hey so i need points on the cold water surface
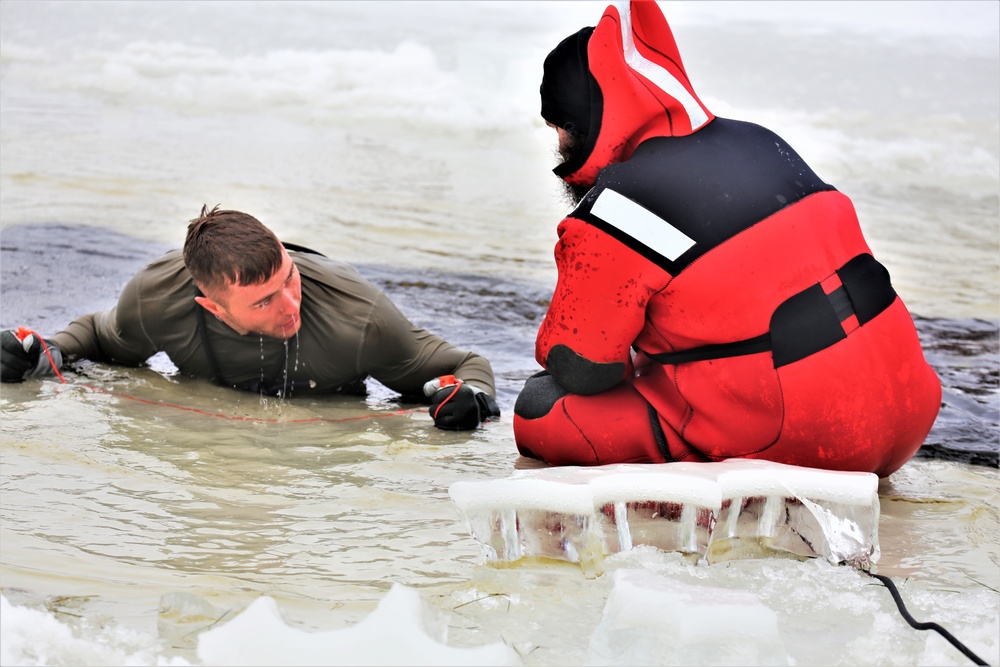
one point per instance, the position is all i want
(405, 139)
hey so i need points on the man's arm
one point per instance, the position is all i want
(415, 362)
(404, 357)
(116, 335)
(417, 356)
(597, 310)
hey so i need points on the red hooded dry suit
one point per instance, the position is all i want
(716, 299)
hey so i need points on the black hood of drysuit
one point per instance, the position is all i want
(616, 85)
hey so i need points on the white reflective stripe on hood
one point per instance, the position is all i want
(641, 224)
(666, 81)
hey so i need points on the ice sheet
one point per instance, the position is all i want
(650, 619)
(712, 512)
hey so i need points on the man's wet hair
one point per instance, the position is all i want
(223, 248)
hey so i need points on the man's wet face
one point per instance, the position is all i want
(270, 308)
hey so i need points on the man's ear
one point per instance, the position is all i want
(209, 305)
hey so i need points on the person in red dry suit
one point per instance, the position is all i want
(715, 299)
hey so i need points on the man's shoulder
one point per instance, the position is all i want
(332, 273)
(319, 266)
(159, 298)
(167, 269)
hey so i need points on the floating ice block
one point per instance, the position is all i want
(738, 508)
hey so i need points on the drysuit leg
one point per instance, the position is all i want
(560, 428)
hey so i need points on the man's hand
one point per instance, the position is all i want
(21, 356)
(457, 406)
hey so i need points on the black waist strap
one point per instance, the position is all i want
(809, 321)
(760, 343)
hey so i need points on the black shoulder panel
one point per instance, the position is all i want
(708, 186)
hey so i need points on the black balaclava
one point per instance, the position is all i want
(567, 85)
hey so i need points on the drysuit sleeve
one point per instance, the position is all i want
(597, 310)
(116, 335)
(403, 356)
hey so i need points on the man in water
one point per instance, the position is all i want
(715, 298)
(241, 308)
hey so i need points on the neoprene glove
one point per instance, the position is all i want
(458, 406)
(23, 357)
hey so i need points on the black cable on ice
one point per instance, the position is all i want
(925, 626)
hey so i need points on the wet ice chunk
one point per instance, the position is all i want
(800, 511)
(668, 508)
(710, 511)
(516, 518)
(651, 620)
(395, 633)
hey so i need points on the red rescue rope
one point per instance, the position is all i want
(444, 380)
(23, 333)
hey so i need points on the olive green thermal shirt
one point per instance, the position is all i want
(350, 330)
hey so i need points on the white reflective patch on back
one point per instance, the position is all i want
(642, 225)
(667, 82)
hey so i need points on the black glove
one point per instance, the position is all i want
(22, 357)
(458, 406)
